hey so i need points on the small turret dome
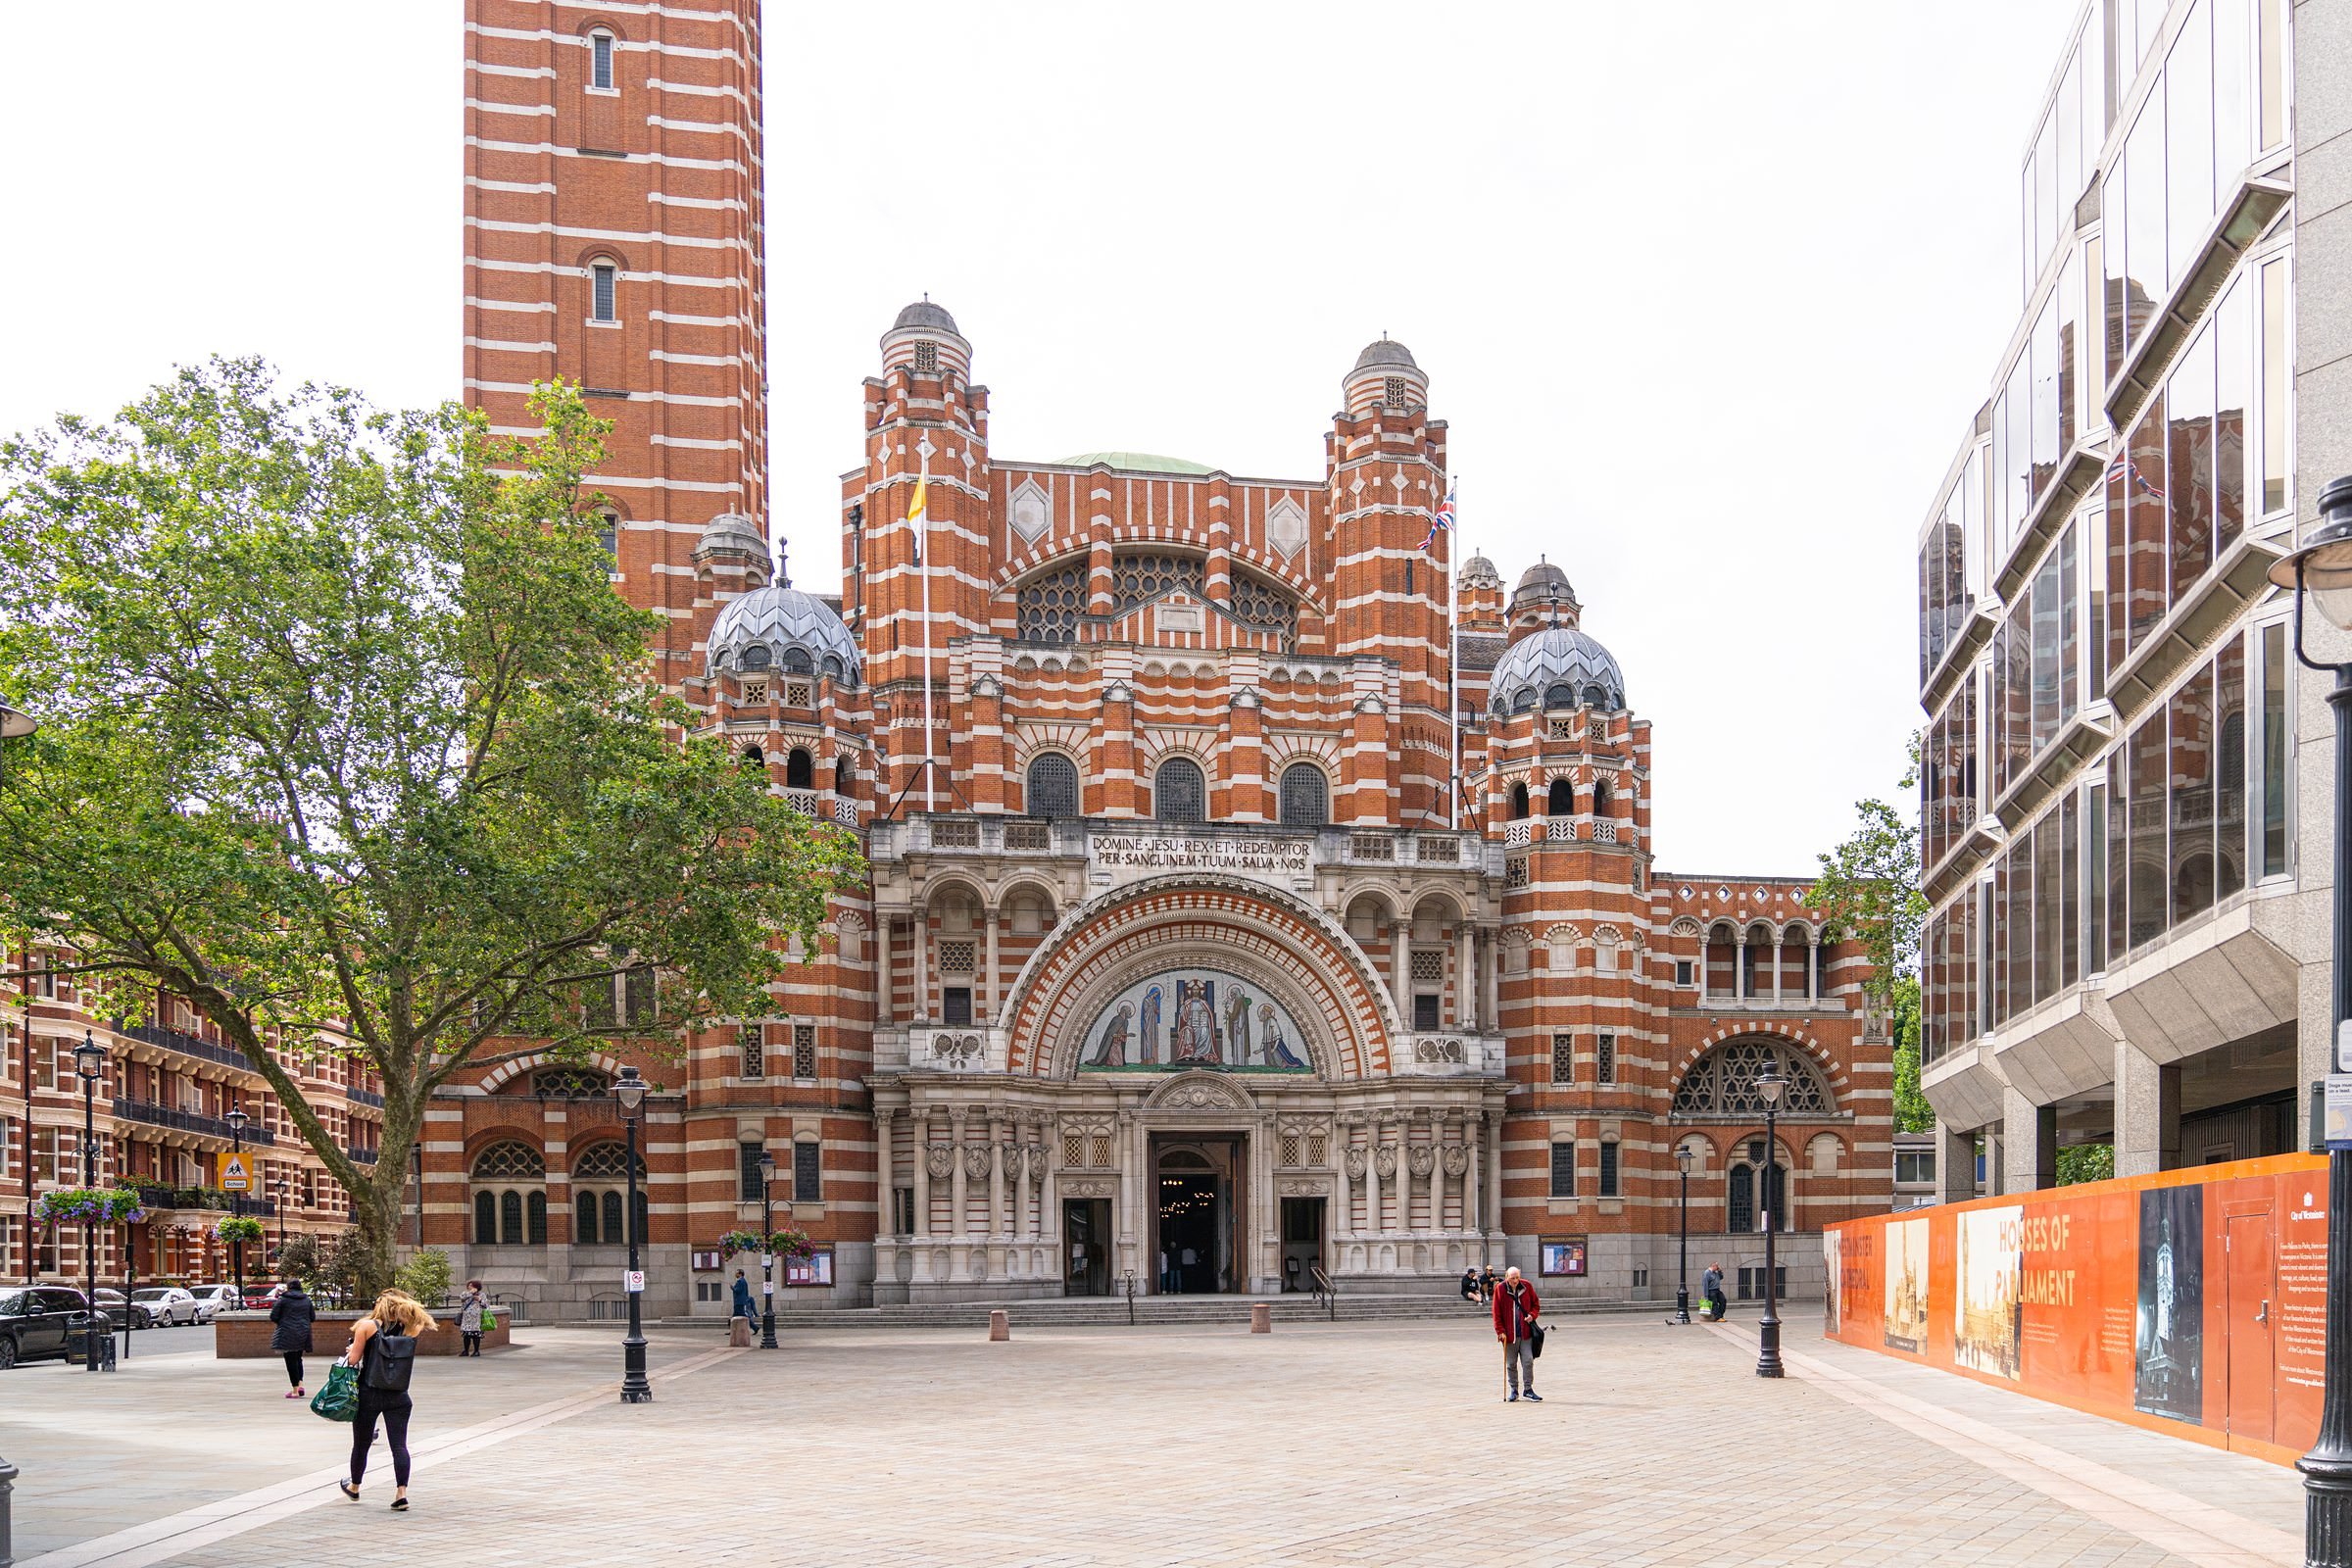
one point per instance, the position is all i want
(1386, 352)
(1544, 579)
(1558, 666)
(1479, 572)
(781, 627)
(923, 312)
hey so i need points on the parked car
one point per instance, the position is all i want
(37, 1321)
(213, 1298)
(111, 1303)
(262, 1294)
(168, 1305)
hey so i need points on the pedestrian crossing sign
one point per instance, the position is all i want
(236, 1173)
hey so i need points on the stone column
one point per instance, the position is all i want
(1373, 1218)
(1491, 1205)
(883, 1188)
(921, 1013)
(922, 1173)
(2147, 1112)
(1404, 1174)
(1813, 968)
(886, 931)
(956, 1216)
(1491, 1012)
(1738, 964)
(1126, 1227)
(1400, 948)
(2029, 1143)
(988, 981)
(997, 1221)
(1777, 946)
(1343, 1132)
(1474, 1133)
(1465, 983)
(1955, 1164)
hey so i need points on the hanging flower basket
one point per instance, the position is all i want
(91, 1206)
(237, 1229)
(786, 1244)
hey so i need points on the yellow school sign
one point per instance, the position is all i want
(236, 1174)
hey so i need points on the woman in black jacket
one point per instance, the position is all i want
(293, 1313)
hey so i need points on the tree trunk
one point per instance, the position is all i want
(376, 1220)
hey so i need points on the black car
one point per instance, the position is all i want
(39, 1320)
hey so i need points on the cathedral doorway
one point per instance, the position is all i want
(1302, 1242)
(1086, 1243)
(1195, 1240)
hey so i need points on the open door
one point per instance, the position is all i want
(1302, 1242)
(1086, 1247)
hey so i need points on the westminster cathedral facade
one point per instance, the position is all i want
(1257, 894)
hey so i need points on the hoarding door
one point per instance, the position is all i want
(2253, 1315)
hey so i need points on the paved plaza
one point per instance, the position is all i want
(1355, 1444)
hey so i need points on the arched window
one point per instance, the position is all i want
(510, 1199)
(1723, 1082)
(607, 533)
(1180, 791)
(1561, 802)
(1052, 785)
(1305, 796)
(754, 757)
(600, 1174)
(798, 663)
(1600, 797)
(758, 657)
(583, 1219)
(1750, 1178)
(612, 1217)
(1525, 701)
(844, 777)
(1518, 802)
(600, 61)
(1560, 696)
(603, 292)
(800, 772)
(830, 669)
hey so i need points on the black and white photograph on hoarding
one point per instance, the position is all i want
(2170, 1346)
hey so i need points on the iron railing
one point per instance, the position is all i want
(366, 1096)
(185, 1121)
(1327, 1291)
(187, 1045)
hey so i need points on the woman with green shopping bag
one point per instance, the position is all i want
(383, 1353)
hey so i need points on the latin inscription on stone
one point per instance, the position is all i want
(1126, 854)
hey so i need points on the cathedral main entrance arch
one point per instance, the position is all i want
(1194, 1087)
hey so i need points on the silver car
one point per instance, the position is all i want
(213, 1298)
(168, 1305)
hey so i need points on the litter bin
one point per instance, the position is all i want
(78, 1346)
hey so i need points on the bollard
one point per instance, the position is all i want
(1000, 1327)
(739, 1332)
(1261, 1317)
(8, 1477)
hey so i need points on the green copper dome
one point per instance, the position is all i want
(1135, 463)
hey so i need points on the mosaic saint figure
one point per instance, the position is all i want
(1269, 1036)
(1196, 1022)
(1237, 1028)
(1147, 1049)
(1111, 1050)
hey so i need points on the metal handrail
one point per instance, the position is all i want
(1327, 1291)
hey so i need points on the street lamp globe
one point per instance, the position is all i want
(768, 1167)
(236, 1118)
(1682, 1157)
(1769, 1084)
(89, 1058)
(15, 722)
(2320, 570)
(629, 1089)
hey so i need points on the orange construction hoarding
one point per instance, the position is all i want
(2191, 1302)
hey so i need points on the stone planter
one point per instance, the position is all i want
(245, 1335)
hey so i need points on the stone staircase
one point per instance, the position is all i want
(1111, 1311)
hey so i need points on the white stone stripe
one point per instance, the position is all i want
(509, 346)
(622, 45)
(528, 73)
(544, 187)
(540, 149)
(175, 1535)
(568, 231)
(489, 107)
(523, 388)
(478, 303)
(674, 279)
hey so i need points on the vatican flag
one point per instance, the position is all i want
(916, 517)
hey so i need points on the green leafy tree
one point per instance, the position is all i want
(347, 739)
(1869, 886)
(425, 1275)
(1912, 1112)
(2085, 1162)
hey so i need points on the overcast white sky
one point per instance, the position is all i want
(1707, 292)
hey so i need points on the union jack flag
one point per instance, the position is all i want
(1439, 519)
(2123, 464)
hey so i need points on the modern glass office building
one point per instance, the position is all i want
(2120, 787)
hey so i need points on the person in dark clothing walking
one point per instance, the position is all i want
(292, 1314)
(1710, 1286)
(383, 1348)
(1515, 1311)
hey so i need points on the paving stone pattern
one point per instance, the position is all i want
(1360, 1443)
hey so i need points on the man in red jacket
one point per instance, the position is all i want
(1515, 1310)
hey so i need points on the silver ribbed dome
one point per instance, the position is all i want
(1386, 352)
(1558, 666)
(923, 312)
(781, 627)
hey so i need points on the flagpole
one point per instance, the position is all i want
(1453, 700)
(922, 559)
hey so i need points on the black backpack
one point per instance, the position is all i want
(390, 1358)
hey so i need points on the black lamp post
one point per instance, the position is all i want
(2320, 574)
(236, 1118)
(1682, 1245)
(629, 1089)
(1769, 1084)
(89, 1060)
(277, 1190)
(767, 1251)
